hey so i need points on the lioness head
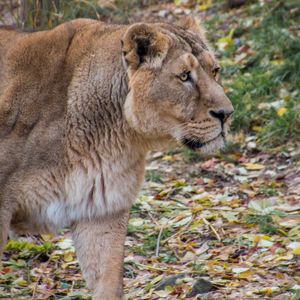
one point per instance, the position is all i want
(175, 89)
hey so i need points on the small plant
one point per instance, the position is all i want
(154, 176)
(28, 249)
(191, 156)
(265, 223)
(268, 190)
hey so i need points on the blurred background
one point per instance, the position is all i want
(257, 42)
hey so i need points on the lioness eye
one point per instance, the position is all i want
(216, 71)
(185, 76)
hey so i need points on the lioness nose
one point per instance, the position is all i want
(221, 114)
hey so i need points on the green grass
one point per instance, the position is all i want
(269, 75)
(265, 223)
(153, 175)
(28, 249)
(44, 14)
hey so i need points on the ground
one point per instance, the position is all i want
(223, 227)
(226, 227)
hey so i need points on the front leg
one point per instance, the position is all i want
(100, 250)
(5, 218)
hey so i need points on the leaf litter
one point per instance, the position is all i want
(215, 228)
(200, 231)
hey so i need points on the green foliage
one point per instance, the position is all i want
(153, 175)
(28, 249)
(297, 295)
(265, 223)
(168, 257)
(268, 77)
(198, 267)
(191, 156)
(268, 190)
(44, 14)
(147, 248)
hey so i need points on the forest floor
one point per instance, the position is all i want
(224, 227)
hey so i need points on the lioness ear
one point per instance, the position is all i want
(190, 23)
(143, 43)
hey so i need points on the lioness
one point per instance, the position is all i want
(80, 106)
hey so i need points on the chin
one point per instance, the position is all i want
(210, 147)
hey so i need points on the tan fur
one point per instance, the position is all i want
(80, 106)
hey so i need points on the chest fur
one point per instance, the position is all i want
(92, 193)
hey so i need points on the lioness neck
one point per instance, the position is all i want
(104, 157)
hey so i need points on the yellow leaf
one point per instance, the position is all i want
(20, 263)
(157, 279)
(20, 282)
(226, 42)
(46, 237)
(253, 167)
(167, 158)
(205, 5)
(282, 258)
(281, 111)
(294, 232)
(277, 62)
(267, 290)
(257, 128)
(68, 257)
(233, 283)
(245, 275)
(296, 251)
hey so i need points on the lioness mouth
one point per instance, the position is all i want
(192, 143)
(195, 144)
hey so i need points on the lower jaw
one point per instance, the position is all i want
(197, 145)
(213, 146)
(217, 143)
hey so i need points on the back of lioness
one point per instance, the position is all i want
(35, 72)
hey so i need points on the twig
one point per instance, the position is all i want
(158, 241)
(148, 267)
(181, 230)
(152, 218)
(22, 13)
(212, 228)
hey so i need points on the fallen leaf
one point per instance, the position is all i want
(20, 282)
(65, 244)
(68, 257)
(253, 167)
(239, 270)
(136, 222)
(281, 111)
(163, 293)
